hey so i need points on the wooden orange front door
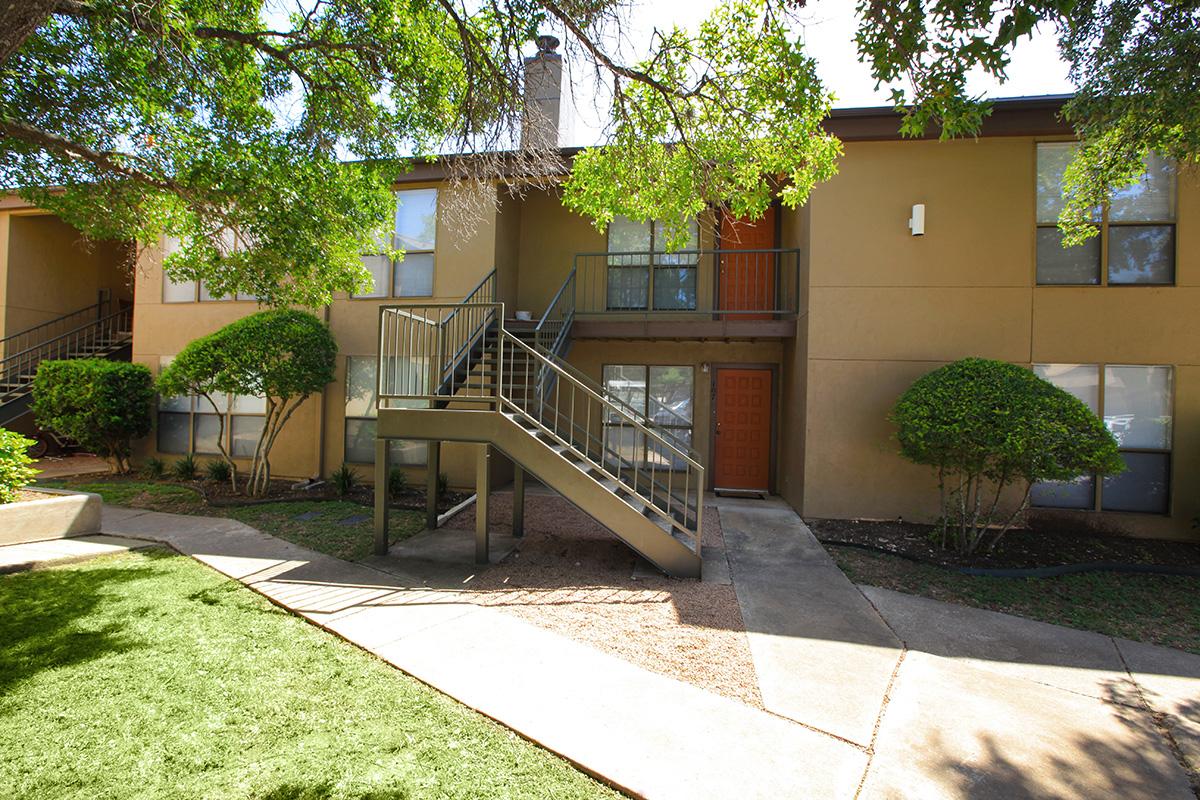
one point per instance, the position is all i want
(742, 457)
(747, 280)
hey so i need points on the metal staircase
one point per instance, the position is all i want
(102, 330)
(463, 373)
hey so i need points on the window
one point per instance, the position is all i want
(189, 424)
(633, 249)
(361, 413)
(1135, 403)
(1136, 244)
(415, 232)
(192, 291)
(660, 394)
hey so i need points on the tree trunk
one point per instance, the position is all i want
(18, 20)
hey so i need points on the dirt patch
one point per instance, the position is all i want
(411, 499)
(1018, 549)
(26, 495)
(575, 578)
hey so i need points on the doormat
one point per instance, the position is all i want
(751, 494)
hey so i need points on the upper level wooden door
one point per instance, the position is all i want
(747, 280)
(742, 449)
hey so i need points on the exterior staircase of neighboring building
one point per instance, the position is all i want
(101, 330)
(464, 373)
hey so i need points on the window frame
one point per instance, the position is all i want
(645, 410)
(389, 292)
(346, 418)
(1105, 224)
(650, 263)
(192, 414)
(1097, 505)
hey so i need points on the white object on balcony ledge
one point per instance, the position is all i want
(525, 316)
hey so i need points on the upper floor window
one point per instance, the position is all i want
(637, 261)
(1136, 244)
(1135, 403)
(415, 232)
(193, 291)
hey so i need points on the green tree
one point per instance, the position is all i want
(282, 355)
(266, 143)
(1135, 66)
(985, 426)
(101, 404)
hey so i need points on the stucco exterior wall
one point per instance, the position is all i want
(886, 307)
(50, 269)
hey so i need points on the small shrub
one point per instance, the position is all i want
(185, 469)
(987, 425)
(154, 468)
(15, 472)
(397, 482)
(217, 471)
(443, 484)
(101, 404)
(343, 479)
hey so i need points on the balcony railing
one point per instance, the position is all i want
(726, 284)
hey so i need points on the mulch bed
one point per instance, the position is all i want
(1019, 549)
(412, 499)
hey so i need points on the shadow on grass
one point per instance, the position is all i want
(44, 619)
(323, 791)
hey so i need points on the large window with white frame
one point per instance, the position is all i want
(661, 394)
(191, 425)
(414, 230)
(1135, 402)
(362, 413)
(1136, 245)
(636, 256)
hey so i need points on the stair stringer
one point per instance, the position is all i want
(567, 477)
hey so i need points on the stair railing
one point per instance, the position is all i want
(30, 338)
(17, 370)
(554, 328)
(670, 481)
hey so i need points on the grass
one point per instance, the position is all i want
(150, 495)
(325, 533)
(147, 675)
(1160, 609)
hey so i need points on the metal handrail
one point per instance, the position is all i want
(758, 283)
(411, 332)
(95, 311)
(555, 324)
(17, 370)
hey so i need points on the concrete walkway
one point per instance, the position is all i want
(869, 693)
(29, 555)
(951, 701)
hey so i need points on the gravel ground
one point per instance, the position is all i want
(573, 577)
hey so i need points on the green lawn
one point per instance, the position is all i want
(147, 675)
(325, 533)
(1159, 609)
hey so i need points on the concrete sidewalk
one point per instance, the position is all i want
(648, 734)
(869, 693)
(30, 555)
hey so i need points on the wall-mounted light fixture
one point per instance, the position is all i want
(916, 222)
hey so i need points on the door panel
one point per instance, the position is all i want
(742, 457)
(747, 280)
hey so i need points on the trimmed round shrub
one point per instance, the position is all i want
(101, 404)
(987, 425)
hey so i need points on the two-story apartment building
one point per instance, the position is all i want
(763, 358)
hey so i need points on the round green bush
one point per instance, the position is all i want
(15, 472)
(984, 425)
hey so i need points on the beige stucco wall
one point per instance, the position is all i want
(885, 307)
(50, 269)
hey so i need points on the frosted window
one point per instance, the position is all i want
(360, 386)
(693, 243)
(173, 432)
(1141, 254)
(414, 276)
(244, 435)
(380, 268)
(178, 291)
(416, 219)
(1137, 406)
(1079, 380)
(1142, 487)
(1070, 265)
(627, 236)
(206, 433)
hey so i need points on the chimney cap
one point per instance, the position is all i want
(547, 43)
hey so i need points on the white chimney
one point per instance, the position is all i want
(541, 127)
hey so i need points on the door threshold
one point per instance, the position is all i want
(751, 494)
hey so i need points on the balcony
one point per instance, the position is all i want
(688, 294)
